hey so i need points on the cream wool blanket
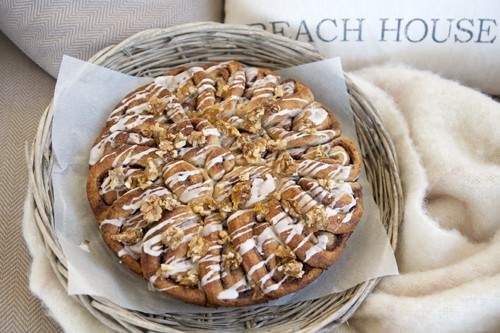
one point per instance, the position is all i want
(448, 145)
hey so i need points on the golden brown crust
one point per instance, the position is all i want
(223, 185)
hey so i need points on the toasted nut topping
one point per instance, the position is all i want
(285, 164)
(166, 145)
(189, 278)
(284, 252)
(172, 237)
(117, 178)
(241, 193)
(292, 268)
(196, 139)
(155, 105)
(197, 248)
(223, 237)
(138, 179)
(226, 129)
(276, 145)
(260, 211)
(289, 209)
(252, 122)
(231, 259)
(169, 203)
(315, 218)
(327, 183)
(151, 208)
(278, 91)
(152, 171)
(203, 206)
(129, 236)
(252, 151)
(314, 153)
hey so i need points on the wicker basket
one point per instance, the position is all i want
(150, 53)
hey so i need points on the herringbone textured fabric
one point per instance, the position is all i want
(47, 29)
(25, 90)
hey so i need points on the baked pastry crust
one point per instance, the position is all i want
(224, 185)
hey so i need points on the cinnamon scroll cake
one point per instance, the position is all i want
(224, 185)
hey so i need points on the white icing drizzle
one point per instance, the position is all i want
(200, 156)
(115, 222)
(171, 82)
(236, 214)
(260, 189)
(347, 218)
(180, 176)
(317, 115)
(151, 246)
(127, 101)
(210, 228)
(269, 121)
(242, 230)
(295, 99)
(274, 286)
(128, 122)
(254, 268)
(195, 191)
(179, 265)
(210, 131)
(183, 216)
(106, 184)
(97, 151)
(212, 274)
(136, 202)
(232, 292)
(282, 223)
(302, 242)
(322, 241)
(312, 251)
(246, 246)
(126, 250)
(132, 158)
(311, 167)
(266, 235)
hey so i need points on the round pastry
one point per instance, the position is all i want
(224, 185)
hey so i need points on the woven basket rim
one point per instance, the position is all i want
(120, 319)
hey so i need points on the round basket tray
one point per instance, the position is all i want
(150, 53)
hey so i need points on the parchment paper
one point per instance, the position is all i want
(85, 94)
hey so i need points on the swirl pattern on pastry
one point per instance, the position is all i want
(224, 185)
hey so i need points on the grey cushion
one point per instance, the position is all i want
(45, 30)
(25, 92)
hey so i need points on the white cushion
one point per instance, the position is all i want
(459, 41)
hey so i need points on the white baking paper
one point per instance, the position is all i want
(85, 94)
